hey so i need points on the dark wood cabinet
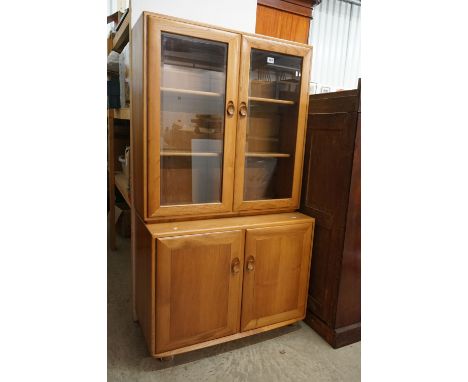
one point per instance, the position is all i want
(331, 193)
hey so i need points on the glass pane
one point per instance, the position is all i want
(193, 87)
(274, 90)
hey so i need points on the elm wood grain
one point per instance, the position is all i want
(156, 26)
(248, 43)
(331, 194)
(161, 230)
(276, 275)
(282, 24)
(175, 281)
(198, 289)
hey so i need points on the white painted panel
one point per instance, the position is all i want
(238, 15)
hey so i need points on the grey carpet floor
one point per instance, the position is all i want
(294, 353)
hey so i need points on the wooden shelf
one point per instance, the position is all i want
(272, 100)
(121, 37)
(267, 155)
(181, 153)
(193, 92)
(122, 186)
(123, 113)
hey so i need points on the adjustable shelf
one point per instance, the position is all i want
(267, 155)
(182, 153)
(192, 92)
(272, 100)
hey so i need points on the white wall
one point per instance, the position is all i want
(335, 33)
(238, 15)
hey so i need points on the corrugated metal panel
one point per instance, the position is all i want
(335, 33)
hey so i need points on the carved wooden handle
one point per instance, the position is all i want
(235, 266)
(230, 109)
(243, 109)
(250, 263)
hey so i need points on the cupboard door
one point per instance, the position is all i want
(198, 288)
(276, 275)
(271, 126)
(192, 95)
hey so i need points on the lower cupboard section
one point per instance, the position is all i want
(205, 282)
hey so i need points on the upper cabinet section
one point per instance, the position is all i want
(273, 97)
(216, 128)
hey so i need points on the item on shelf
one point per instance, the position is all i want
(179, 136)
(113, 93)
(113, 63)
(289, 86)
(208, 123)
(264, 125)
(176, 77)
(124, 71)
(263, 86)
(259, 144)
(125, 161)
(258, 175)
(263, 132)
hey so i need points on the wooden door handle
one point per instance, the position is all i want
(243, 109)
(250, 263)
(235, 266)
(230, 109)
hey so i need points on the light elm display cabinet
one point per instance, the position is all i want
(218, 124)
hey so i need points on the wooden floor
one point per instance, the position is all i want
(295, 353)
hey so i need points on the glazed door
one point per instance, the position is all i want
(192, 90)
(198, 288)
(273, 97)
(276, 275)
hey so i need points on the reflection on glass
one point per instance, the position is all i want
(193, 87)
(274, 91)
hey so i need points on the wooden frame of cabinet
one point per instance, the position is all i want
(155, 27)
(197, 282)
(248, 43)
(146, 58)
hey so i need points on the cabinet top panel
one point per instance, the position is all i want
(223, 224)
(157, 15)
